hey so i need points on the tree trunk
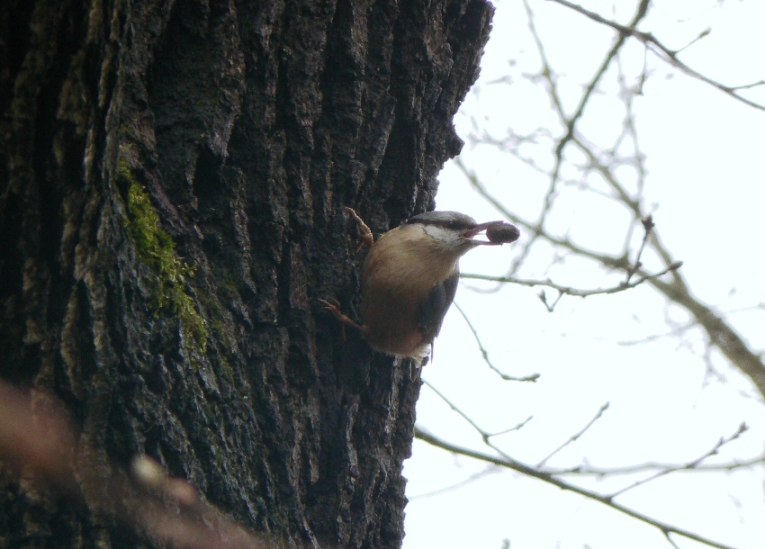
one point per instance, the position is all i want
(170, 212)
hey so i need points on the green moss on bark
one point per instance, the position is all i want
(156, 249)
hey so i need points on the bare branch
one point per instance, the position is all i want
(527, 470)
(569, 290)
(588, 470)
(569, 122)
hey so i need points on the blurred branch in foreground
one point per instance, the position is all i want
(38, 442)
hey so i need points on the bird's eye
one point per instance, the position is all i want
(456, 225)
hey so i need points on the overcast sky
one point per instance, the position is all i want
(705, 186)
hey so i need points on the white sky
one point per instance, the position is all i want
(704, 154)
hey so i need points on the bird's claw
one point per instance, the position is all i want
(333, 306)
(366, 237)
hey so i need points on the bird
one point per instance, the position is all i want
(409, 278)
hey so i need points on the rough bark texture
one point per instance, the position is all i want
(244, 126)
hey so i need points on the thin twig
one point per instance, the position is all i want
(490, 469)
(485, 354)
(648, 227)
(485, 435)
(670, 540)
(687, 466)
(573, 438)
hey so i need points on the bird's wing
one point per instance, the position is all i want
(431, 312)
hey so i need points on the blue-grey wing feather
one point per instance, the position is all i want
(432, 311)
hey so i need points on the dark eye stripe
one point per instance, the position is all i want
(454, 225)
(447, 220)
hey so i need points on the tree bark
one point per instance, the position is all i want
(171, 186)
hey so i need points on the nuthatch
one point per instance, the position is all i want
(410, 277)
